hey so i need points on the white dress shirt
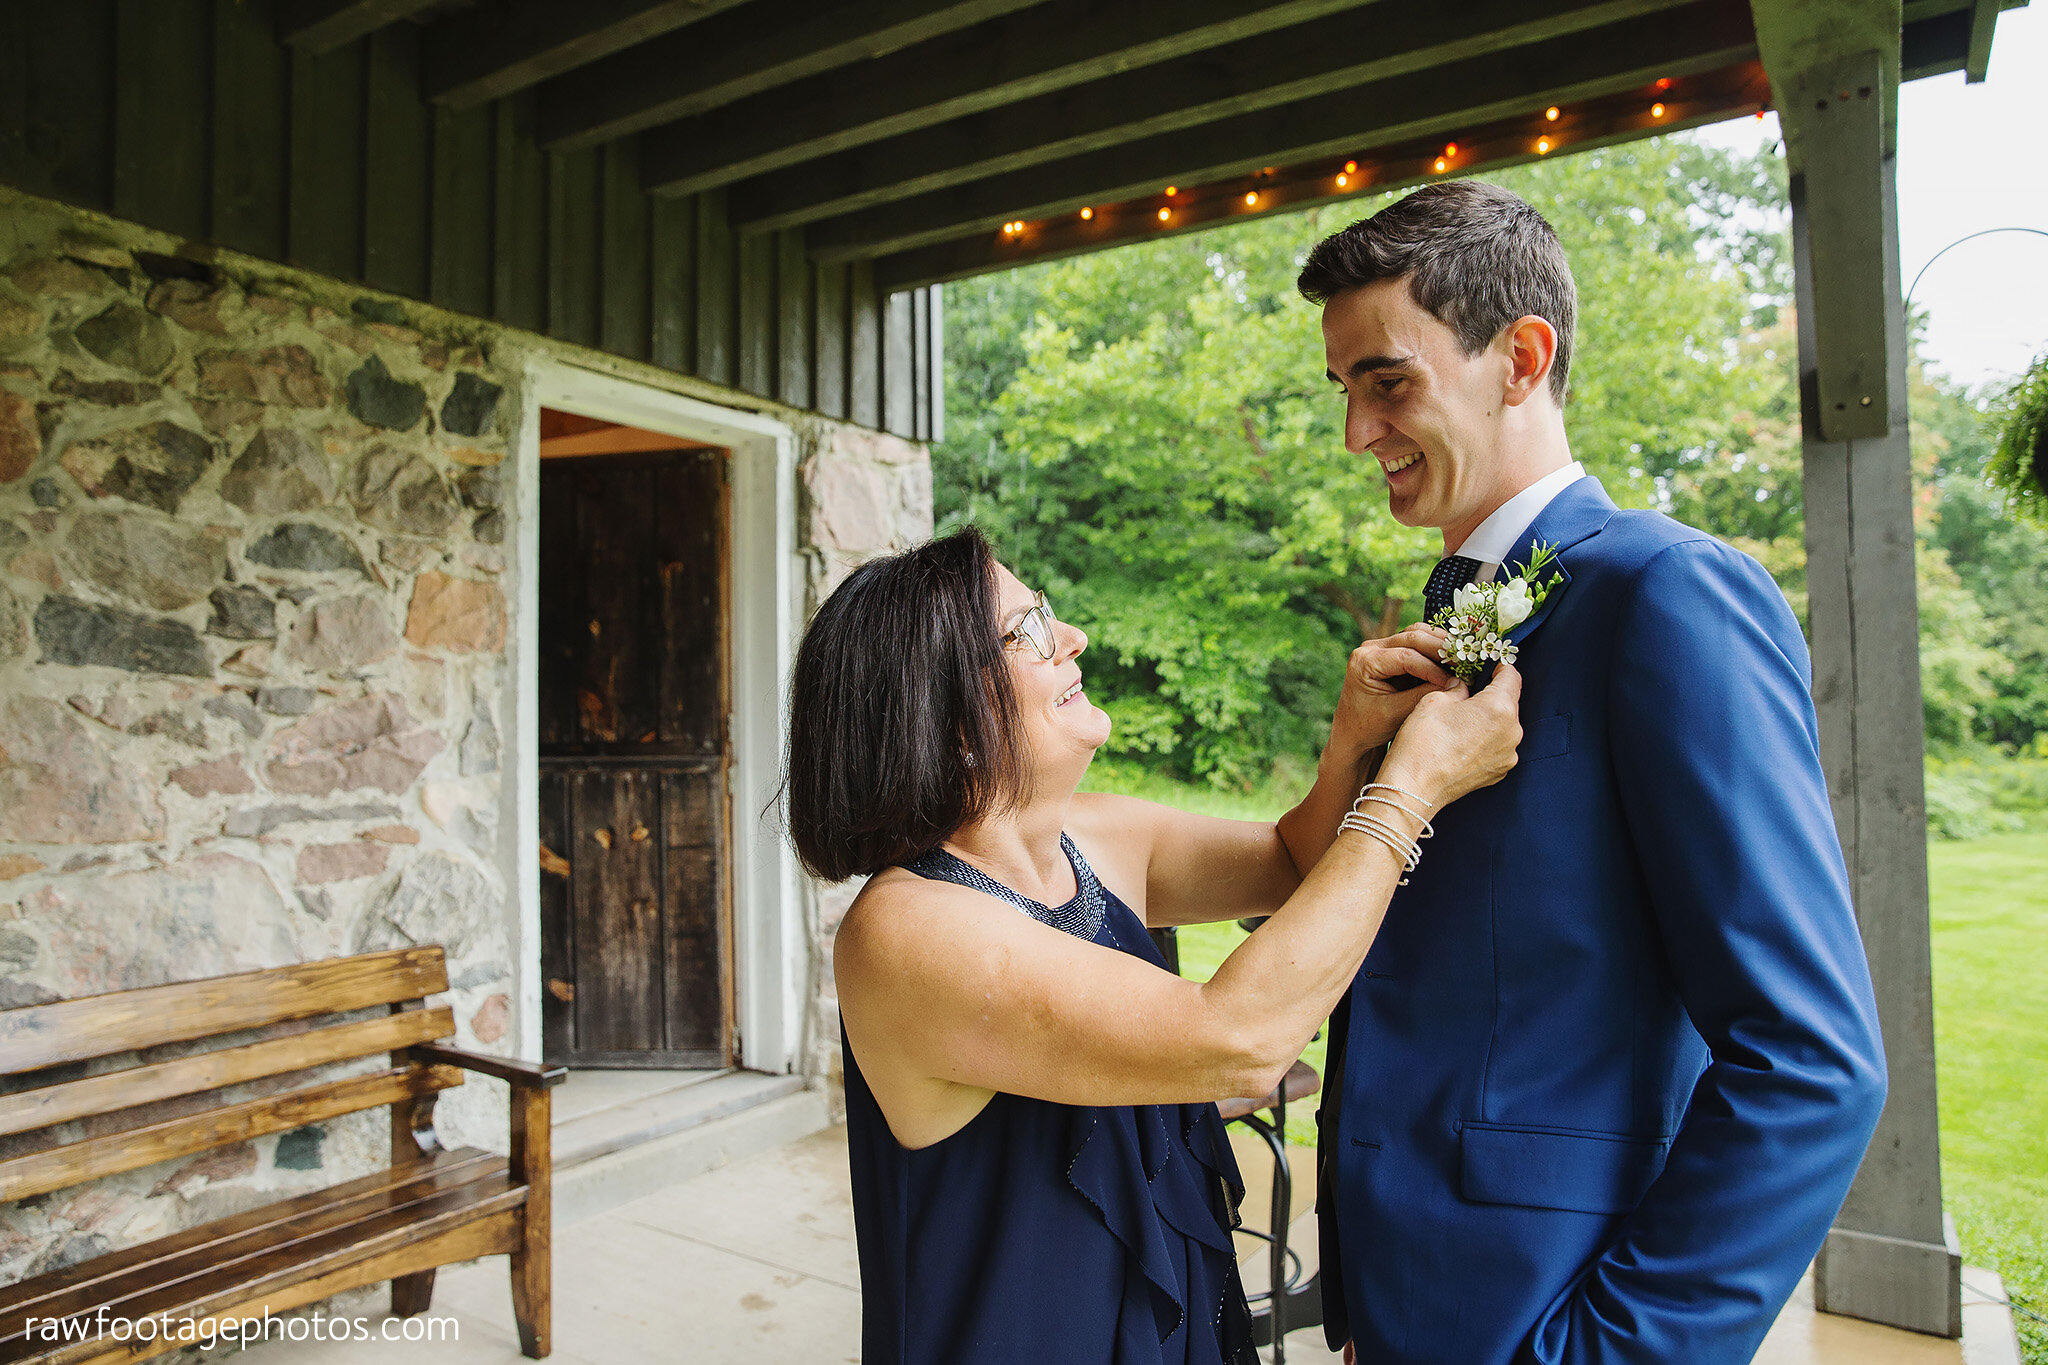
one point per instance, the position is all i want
(1500, 535)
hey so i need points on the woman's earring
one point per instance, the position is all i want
(971, 760)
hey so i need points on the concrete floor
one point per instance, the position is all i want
(754, 1264)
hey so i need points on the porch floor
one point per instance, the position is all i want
(754, 1264)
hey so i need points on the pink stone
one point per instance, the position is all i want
(370, 742)
(488, 1023)
(392, 834)
(58, 785)
(456, 614)
(219, 776)
(21, 440)
(282, 374)
(320, 863)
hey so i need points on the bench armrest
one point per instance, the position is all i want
(504, 1068)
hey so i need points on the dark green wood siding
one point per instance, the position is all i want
(187, 116)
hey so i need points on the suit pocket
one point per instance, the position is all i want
(1549, 1169)
(1547, 737)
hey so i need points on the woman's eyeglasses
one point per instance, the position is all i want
(1036, 629)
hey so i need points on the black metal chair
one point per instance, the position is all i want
(1290, 1302)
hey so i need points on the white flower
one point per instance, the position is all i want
(1514, 604)
(1468, 598)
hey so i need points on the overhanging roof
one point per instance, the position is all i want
(944, 138)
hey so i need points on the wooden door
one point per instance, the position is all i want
(636, 939)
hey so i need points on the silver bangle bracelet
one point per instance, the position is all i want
(1428, 830)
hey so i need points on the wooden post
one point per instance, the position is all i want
(532, 1264)
(1890, 1257)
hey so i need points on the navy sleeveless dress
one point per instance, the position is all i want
(1049, 1234)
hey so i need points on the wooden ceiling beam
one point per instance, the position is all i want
(1689, 103)
(1340, 52)
(484, 53)
(1018, 57)
(742, 52)
(323, 25)
(1699, 37)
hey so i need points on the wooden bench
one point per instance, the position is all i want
(261, 1030)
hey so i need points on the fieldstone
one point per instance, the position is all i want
(323, 863)
(343, 633)
(105, 393)
(257, 822)
(21, 439)
(215, 777)
(84, 634)
(37, 567)
(13, 625)
(235, 707)
(375, 397)
(471, 407)
(475, 458)
(221, 416)
(129, 338)
(480, 488)
(491, 1018)
(55, 275)
(220, 1164)
(18, 320)
(850, 505)
(370, 742)
(286, 701)
(165, 565)
(58, 785)
(253, 662)
(308, 548)
(488, 528)
(208, 914)
(398, 491)
(179, 727)
(479, 751)
(282, 375)
(12, 537)
(391, 834)
(299, 596)
(278, 471)
(458, 614)
(15, 865)
(242, 613)
(153, 465)
(46, 492)
(103, 254)
(193, 304)
(436, 899)
(389, 312)
(299, 1150)
(484, 558)
(18, 951)
(407, 556)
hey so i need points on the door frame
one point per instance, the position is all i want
(764, 577)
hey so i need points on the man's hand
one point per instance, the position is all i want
(1380, 689)
(1350, 1354)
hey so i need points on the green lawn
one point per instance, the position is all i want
(1991, 1027)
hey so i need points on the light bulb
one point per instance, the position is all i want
(1086, 214)
(1342, 181)
(1165, 214)
(1663, 82)
(1251, 200)
(1656, 111)
(1172, 190)
(1450, 149)
(1551, 113)
(1441, 163)
(1542, 146)
(1351, 168)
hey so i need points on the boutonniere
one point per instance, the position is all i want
(1481, 615)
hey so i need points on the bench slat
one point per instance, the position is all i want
(56, 1167)
(36, 1036)
(164, 1284)
(456, 1235)
(442, 1168)
(28, 1110)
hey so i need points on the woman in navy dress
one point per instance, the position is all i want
(1040, 1175)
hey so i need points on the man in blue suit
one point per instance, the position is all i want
(1603, 1082)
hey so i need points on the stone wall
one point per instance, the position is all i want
(252, 659)
(257, 568)
(865, 493)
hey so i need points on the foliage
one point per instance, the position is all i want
(1988, 792)
(2020, 465)
(1145, 433)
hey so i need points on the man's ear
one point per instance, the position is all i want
(1532, 349)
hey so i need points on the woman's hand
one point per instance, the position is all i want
(1455, 741)
(1380, 690)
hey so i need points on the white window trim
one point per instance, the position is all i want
(771, 949)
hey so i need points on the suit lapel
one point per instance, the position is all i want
(1572, 516)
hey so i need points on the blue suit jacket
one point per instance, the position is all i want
(1606, 1075)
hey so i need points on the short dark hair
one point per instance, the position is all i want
(902, 716)
(1475, 256)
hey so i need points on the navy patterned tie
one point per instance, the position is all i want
(1451, 573)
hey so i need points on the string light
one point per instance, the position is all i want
(1251, 200)
(1551, 113)
(1086, 214)
(1543, 146)
(1657, 111)
(1663, 82)
(1450, 149)
(1172, 190)
(1351, 168)
(1441, 164)
(1164, 214)
(1342, 181)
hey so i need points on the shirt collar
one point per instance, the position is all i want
(1500, 534)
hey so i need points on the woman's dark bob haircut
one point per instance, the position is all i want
(902, 718)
